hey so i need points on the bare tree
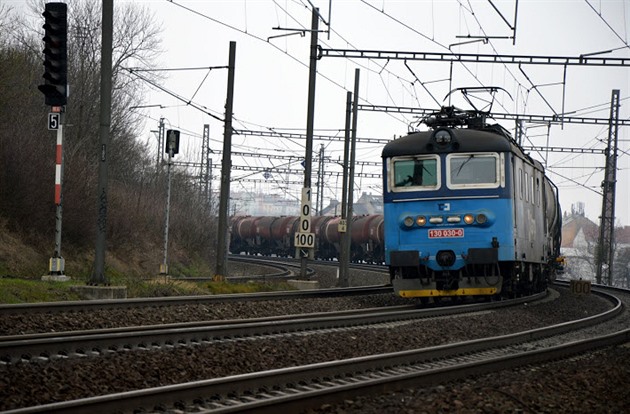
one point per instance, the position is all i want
(7, 24)
(137, 194)
(26, 145)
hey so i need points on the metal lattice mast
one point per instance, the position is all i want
(320, 181)
(160, 145)
(520, 130)
(606, 250)
(205, 173)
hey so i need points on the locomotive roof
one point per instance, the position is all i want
(466, 139)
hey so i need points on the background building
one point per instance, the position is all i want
(579, 244)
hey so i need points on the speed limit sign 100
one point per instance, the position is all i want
(304, 240)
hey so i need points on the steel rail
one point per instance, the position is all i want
(85, 305)
(81, 305)
(284, 271)
(77, 344)
(304, 386)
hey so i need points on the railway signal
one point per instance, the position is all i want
(55, 90)
(172, 142)
(55, 54)
(172, 148)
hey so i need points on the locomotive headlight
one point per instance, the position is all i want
(482, 218)
(469, 219)
(436, 220)
(453, 219)
(408, 221)
(442, 136)
(421, 220)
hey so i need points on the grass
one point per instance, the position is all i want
(22, 265)
(28, 291)
(15, 290)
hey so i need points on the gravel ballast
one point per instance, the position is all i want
(590, 383)
(596, 382)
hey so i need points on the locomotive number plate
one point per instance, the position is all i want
(445, 233)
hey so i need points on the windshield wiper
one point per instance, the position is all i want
(464, 163)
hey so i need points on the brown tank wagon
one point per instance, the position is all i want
(274, 236)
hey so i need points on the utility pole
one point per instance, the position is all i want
(98, 276)
(345, 260)
(343, 222)
(606, 244)
(226, 165)
(305, 239)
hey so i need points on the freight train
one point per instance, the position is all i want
(274, 236)
(467, 212)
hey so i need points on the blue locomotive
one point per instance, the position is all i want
(467, 212)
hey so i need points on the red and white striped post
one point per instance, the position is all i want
(58, 167)
(56, 265)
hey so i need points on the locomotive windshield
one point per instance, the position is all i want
(476, 170)
(463, 171)
(416, 172)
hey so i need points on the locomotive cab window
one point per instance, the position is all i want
(475, 170)
(414, 173)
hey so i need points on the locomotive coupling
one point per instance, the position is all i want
(445, 258)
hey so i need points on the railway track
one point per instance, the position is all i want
(284, 271)
(92, 305)
(80, 344)
(288, 388)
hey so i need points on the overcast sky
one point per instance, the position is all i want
(271, 81)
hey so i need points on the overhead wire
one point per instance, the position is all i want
(608, 25)
(265, 41)
(490, 43)
(536, 87)
(520, 85)
(398, 21)
(253, 37)
(341, 37)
